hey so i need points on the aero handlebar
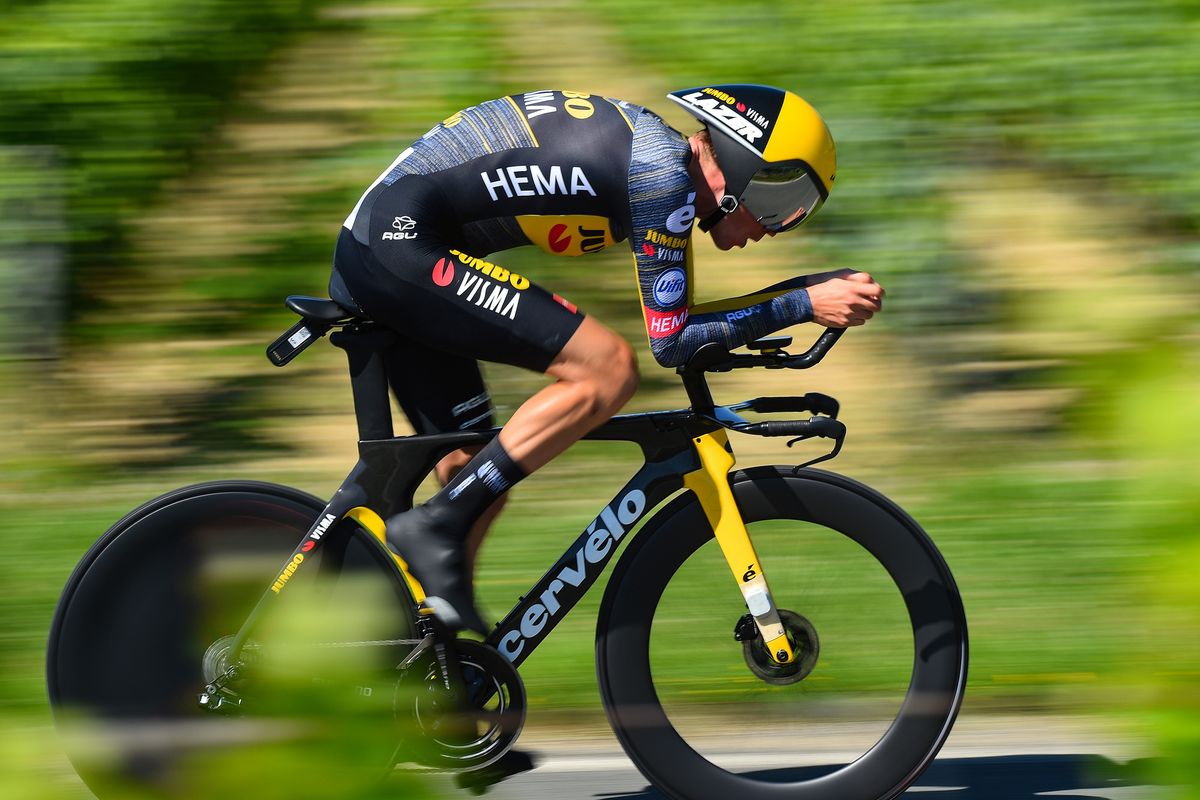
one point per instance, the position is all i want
(713, 357)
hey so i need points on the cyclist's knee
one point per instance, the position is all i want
(610, 378)
(624, 375)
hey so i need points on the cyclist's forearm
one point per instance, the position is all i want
(770, 292)
(803, 281)
(732, 323)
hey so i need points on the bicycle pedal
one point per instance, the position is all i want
(478, 781)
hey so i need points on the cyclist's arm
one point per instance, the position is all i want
(677, 329)
(661, 215)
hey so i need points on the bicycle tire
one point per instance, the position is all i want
(835, 504)
(126, 646)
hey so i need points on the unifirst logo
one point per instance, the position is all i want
(669, 287)
(602, 535)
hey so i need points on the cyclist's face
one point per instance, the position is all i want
(737, 229)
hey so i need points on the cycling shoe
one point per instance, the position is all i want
(438, 559)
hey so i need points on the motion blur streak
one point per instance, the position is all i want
(1021, 176)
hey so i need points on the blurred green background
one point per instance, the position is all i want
(1023, 178)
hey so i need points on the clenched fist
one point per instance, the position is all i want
(845, 302)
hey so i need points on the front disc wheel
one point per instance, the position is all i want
(868, 701)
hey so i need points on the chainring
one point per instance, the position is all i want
(471, 738)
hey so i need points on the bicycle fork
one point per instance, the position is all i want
(710, 484)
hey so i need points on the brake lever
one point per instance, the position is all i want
(837, 448)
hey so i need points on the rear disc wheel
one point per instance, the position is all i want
(147, 620)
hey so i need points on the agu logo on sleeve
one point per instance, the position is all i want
(669, 287)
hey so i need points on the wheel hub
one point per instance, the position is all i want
(805, 644)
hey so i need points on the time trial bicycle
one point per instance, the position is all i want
(770, 632)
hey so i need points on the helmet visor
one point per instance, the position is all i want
(782, 196)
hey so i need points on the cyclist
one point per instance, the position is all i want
(570, 173)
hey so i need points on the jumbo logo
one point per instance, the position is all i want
(287, 573)
(566, 234)
(493, 271)
(725, 115)
(602, 535)
(730, 100)
(670, 241)
(443, 272)
(576, 104)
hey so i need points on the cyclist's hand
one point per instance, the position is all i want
(846, 302)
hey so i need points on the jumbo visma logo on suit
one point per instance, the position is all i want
(477, 289)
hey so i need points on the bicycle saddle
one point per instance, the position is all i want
(319, 309)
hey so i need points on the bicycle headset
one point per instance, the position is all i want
(773, 148)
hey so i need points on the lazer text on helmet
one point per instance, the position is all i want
(725, 114)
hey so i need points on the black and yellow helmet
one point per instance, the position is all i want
(775, 151)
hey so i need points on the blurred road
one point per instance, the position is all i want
(987, 758)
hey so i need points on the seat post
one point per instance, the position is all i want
(365, 345)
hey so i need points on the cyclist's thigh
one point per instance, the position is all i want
(435, 294)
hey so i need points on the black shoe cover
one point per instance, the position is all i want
(437, 558)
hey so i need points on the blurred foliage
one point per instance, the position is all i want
(1022, 176)
(311, 728)
(123, 94)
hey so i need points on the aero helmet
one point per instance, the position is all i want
(773, 148)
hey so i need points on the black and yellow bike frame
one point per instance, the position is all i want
(683, 450)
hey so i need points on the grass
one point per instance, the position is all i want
(1042, 569)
